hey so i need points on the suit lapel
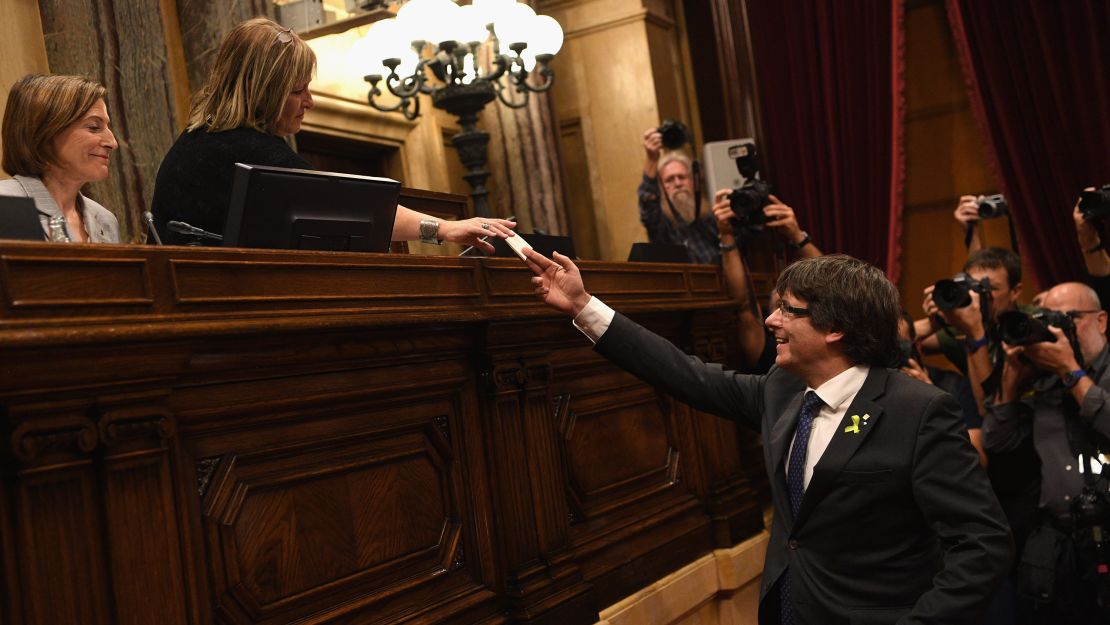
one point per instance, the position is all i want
(781, 434)
(849, 436)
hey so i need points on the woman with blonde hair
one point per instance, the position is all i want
(57, 139)
(256, 94)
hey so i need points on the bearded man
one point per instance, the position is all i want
(674, 216)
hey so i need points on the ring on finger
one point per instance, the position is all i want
(485, 226)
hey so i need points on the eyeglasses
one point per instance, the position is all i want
(791, 312)
(284, 36)
(1075, 314)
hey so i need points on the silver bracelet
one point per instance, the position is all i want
(429, 231)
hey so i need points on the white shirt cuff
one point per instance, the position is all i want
(594, 319)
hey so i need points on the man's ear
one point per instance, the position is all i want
(1016, 291)
(833, 337)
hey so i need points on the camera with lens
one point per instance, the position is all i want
(675, 134)
(956, 293)
(991, 206)
(1091, 508)
(1095, 204)
(748, 200)
(1019, 328)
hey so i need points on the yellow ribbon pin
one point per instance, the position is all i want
(854, 429)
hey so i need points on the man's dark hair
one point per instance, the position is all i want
(996, 258)
(847, 295)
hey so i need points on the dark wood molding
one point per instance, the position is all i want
(268, 436)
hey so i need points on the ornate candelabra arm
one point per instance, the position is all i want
(545, 71)
(501, 65)
(409, 107)
(510, 101)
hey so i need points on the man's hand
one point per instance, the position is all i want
(967, 211)
(558, 282)
(915, 370)
(1016, 373)
(1088, 235)
(1056, 357)
(722, 210)
(967, 320)
(653, 144)
(781, 217)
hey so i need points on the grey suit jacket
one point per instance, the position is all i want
(100, 224)
(898, 524)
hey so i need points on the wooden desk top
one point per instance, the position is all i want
(64, 293)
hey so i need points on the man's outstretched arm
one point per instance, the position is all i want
(653, 359)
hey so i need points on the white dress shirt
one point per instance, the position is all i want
(837, 393)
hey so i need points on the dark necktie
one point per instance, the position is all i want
(795, 487)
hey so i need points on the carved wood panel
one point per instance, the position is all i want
(327, 455)
(357, 489)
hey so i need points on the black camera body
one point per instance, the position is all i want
(675, 134)
(1095, 204)
(748, 200)
(992, 206)
(1019, 328)
(956, 293)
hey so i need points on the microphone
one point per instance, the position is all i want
(180, 227)
(148, 217)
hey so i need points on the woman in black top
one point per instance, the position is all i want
(256, 94)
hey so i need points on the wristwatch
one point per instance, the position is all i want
(800, 244)
(1071, 378)
(429, 231)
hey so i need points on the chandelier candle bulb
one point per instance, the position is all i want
(463, 57)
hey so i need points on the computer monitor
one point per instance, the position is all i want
(658, 253)
(19, 219)
(299, 209)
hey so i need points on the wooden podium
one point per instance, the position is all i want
(244, 436)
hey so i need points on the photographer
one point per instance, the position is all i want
(1094, 252)
(674, 216)
(966, 336)
(1060, 400)
(972, 209)
(757, 352)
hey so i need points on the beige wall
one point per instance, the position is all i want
(23, 51)
(619, 73)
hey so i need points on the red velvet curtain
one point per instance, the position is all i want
(830, 81)
(1039, 76)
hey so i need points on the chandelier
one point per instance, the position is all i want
(463, 57)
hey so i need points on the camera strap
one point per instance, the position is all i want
(970, 231)
(1013, 235)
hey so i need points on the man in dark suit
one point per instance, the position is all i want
(882, 513)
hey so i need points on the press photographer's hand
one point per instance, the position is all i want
(653, 144)
(967, 211)
(782, 219)
(1057, 357)
(722, 211)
